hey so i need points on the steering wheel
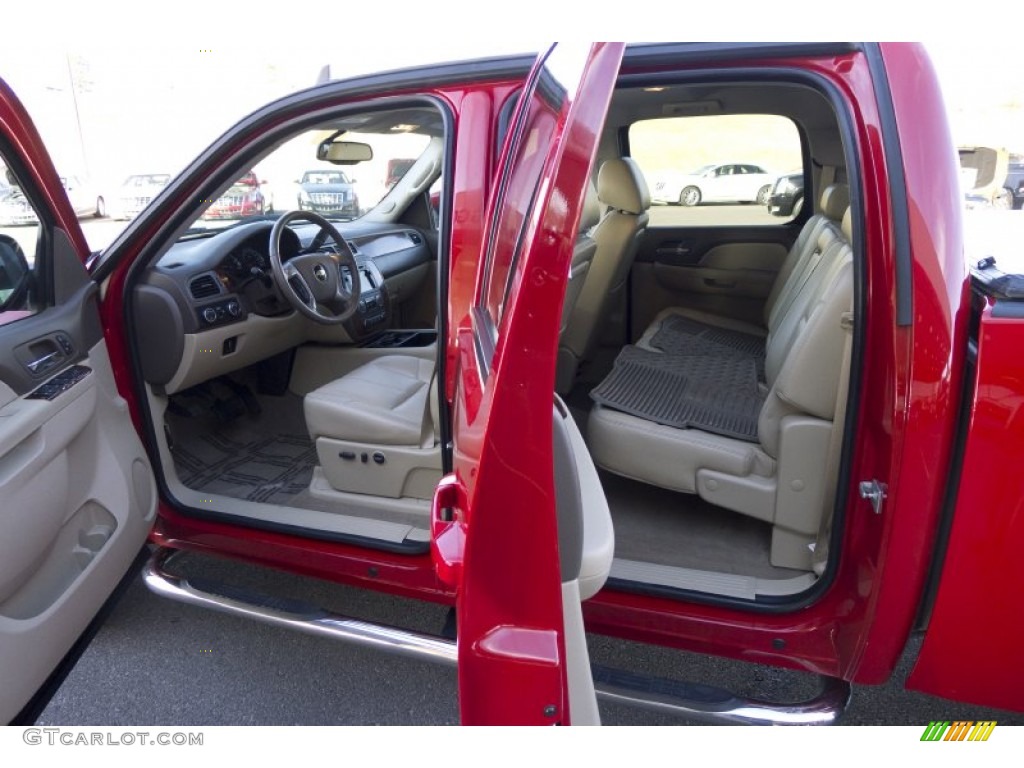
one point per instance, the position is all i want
(312, 281)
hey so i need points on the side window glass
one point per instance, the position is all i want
(19, 239)
(720, 170)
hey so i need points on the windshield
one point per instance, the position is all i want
(702, 170)
(292, 177)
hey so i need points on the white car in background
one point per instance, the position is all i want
(84, 197)
(716, 183)
(16, 209)
(137, 191)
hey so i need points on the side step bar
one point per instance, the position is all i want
(678, 698)
(292, 614)
(716, 705)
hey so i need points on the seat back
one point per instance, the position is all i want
(804, 356)
(621, 187)
(582, 256)
(835, 199)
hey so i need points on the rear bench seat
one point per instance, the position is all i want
(817, 233)
(765, 403)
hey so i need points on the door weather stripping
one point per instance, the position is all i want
(875, 492)
(679, 698)
(293, 614)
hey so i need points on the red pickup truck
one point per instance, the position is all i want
(539, 401)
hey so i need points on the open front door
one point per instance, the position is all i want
(498, 536)
(77, 496)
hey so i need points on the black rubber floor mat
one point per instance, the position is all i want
(681, 336)
(718, 394)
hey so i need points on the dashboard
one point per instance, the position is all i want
(210, 304)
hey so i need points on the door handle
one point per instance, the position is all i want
(447, 531)
(44, 362)
(672, 250)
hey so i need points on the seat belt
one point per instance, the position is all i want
(819, 551)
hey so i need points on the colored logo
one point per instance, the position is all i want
(960, 730)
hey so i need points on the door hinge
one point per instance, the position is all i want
(875, 492)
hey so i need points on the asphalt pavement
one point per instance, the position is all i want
(162, 663)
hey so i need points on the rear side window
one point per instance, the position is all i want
(720, 170)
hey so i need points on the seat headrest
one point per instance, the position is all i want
(848, 225)
(835, 199)
(591, 209)
(622, 186)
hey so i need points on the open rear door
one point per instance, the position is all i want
(496, 536)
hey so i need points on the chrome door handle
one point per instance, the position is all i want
(44, 362)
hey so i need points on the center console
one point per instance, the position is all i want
(372, 314)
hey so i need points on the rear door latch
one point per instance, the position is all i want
(875, 492)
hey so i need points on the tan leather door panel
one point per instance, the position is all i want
(77, 490)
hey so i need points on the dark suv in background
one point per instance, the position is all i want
(787, 195)
(328, 192)
(1014, 184)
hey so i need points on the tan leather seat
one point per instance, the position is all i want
(817, 234)
(780, 478)
(621, 187)
(375, 428)
(582, 256)
(382, 402)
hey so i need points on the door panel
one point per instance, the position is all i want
(77, 489)
(496, 538)
(77, 496)
(726, 271)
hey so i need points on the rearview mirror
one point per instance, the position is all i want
(15, 274)
(344, 152)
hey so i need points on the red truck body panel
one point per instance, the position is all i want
(971, 650)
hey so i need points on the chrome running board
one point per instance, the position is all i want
(293, 614)
(682, 699)
(716, 705)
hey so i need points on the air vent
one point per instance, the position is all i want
(352, 246)
(203, 287)
(414, 236)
